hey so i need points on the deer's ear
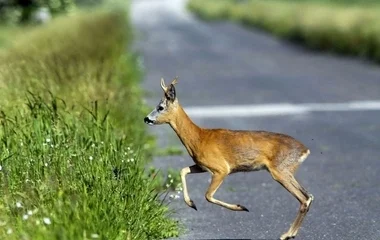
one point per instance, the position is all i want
(170, 93)
(163, 85)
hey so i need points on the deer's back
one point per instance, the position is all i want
(253, 150)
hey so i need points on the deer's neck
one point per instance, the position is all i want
(187, 131)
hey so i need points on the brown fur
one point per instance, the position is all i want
(242, 150)
(222, 152)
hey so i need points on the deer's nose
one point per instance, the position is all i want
(148, 121)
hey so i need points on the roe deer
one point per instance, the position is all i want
(222, 152)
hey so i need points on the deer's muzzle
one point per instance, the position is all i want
(148, 121)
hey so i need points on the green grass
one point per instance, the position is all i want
(348, 28)
(73, 144)
(343, 2)
(7, 33)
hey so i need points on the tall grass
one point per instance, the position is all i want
(73, 146)
(343, 2)
(349, 28)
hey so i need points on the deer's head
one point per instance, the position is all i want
(166, 109)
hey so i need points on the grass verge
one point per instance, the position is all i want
(73, 146)
(349, 28)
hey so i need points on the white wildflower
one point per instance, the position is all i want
(51, 145)
(25, 216)
(1, 167)
(38, 222)
(132, 159)
(9, 231)
(179, 192)
(21, 144)
(169, 176)
(48, 140)
(171, 180)
(171, 196)
(176, 196)
(46, 164)
(90, 158)
(30, 212)
(18, 205)
(93, 145)
(47, 221)
(167, 185)
(94, 235)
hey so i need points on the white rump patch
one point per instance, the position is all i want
(304, 156)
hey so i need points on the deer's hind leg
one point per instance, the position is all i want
(287, 180)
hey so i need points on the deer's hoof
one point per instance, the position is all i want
(192, 205)
(287, 236)
(242, 208)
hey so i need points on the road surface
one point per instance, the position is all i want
(224, 68)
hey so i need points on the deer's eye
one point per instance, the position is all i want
(160, 108)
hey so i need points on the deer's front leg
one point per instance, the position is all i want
(184, 172)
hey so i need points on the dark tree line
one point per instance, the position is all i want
(24, 9)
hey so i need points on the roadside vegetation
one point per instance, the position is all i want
(72, 143)
(347, 27)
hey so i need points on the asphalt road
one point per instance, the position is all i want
(224, 64)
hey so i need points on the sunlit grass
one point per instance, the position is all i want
(73, 144)
(72, 169)
(350, 28)
(341, 2)
(7, 33)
